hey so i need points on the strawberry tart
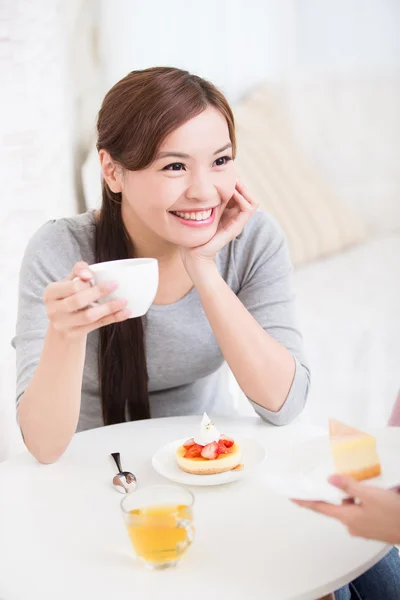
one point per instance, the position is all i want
(208, 452)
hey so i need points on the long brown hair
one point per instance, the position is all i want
(136, 116)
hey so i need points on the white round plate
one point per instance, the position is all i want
(164, 462)
(301, 471)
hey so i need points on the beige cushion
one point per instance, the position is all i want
(281, 179)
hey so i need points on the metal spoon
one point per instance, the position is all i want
(124, 481)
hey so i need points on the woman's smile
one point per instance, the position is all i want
(195, 217)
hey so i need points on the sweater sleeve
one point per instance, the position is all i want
(50, 256)
(264, 271)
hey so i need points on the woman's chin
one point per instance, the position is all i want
(193, 241)
(193, 237)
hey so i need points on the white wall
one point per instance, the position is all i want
(235, 43)
(344, 98)
(36, 170)
(347, 36)
(238, 43)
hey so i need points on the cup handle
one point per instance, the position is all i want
(181, 547)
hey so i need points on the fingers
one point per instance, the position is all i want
(62, 289)
(324, 508)
(342, 512)
(77, 325)
(244, 208)
(75, 282)
(95, 314)
(116, 317)
(244, 193)
(244, 204)
(71, 304)
(82, 270)
(86, 297)
(350, 486)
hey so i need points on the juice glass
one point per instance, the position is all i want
(159, 520)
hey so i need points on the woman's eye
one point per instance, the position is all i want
(220, 162)
(223, 160)
(174, 167)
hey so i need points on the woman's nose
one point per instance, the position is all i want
(201, 188)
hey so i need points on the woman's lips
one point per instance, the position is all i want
(195, 218)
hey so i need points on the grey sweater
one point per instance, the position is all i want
(183, 356)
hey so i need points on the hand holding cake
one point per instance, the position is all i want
(369, 512)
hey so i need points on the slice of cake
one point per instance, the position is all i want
(354, 452)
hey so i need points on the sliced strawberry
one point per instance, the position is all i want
(227, 441)
(189, 443)
(210, 451)
(222, 449)
(193, 451)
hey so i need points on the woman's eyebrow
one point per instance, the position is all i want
(174, 154)
(171, 153)
(229, 145)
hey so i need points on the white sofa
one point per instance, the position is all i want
(349, 311)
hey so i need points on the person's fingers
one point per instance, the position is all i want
(81, 269)
(62, 289)
(90, 316)
(244, 204)
(233, 220)
(86, 297)
(236, 218)
(348, 485)
(243, 190)
(324, 508)
(116, 317)
(75, 282)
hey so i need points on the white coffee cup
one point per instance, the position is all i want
(137, 280)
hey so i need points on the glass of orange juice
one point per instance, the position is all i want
(159, 520)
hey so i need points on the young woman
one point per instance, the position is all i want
(166, 143)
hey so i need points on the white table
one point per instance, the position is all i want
(62, 534)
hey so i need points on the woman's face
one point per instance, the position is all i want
(181, 196)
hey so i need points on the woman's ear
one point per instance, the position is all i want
(111, 172)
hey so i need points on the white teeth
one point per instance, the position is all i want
(195, 216)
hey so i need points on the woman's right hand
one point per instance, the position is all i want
(68, 304)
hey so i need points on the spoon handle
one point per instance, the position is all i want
(116, 457)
